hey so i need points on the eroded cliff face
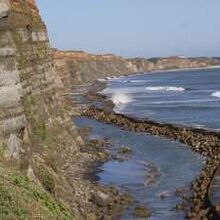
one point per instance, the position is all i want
(25, 70)
(183, 62)
(37, 137)
(80, 67)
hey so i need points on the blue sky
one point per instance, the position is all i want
(131, 28)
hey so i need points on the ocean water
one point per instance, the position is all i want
(156, 167)
(189, 97)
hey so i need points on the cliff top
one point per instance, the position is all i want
(82, 55)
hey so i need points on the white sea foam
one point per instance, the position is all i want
(132, 80)
(101, 80)
(165, 88)
(216, 94)
(123, 90)
(123, 81)
(111, 78)
(121, 98)
(188, 101)
(140, 80)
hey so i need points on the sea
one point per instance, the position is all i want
(187, 97)
(157, 168)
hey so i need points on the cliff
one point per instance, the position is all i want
(32, 128)
(43, 159)
(42, 156)
(183, 62)
(78, 66)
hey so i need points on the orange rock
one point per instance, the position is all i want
(32, 2)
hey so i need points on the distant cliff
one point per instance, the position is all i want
(79, 66)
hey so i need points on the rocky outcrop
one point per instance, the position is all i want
(214, 191)
(80, 67)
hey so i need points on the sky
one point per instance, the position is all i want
(134, 28)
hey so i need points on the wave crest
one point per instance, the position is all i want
(121, 98)
(165, 88)
(216, 94)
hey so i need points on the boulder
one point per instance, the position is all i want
(100, 198)
(141, 211)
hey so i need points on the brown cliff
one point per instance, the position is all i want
(79, 66)
(31, 117)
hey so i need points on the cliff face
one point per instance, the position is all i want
(78, 66)
(37, 137)
(182, 62)
(25, 70)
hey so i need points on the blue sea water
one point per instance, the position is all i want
(188, 97)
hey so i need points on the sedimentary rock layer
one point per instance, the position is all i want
(79, 67)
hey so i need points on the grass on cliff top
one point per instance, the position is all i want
(21, 199)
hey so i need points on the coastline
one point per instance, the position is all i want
(46, 166)
(164, 71)
(108, 202)
(200, 202)
(186, 69)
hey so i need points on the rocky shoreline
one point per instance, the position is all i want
(108, 202)
(205, 143)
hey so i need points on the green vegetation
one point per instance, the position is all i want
(39, 131)
(21, 199)
(2, 150)
(46, 178)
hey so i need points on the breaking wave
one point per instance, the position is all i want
(132, 81)
(101, 80)
(121, 98)
(216, 94)
(165, 88)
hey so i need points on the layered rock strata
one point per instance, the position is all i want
(76, 67)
